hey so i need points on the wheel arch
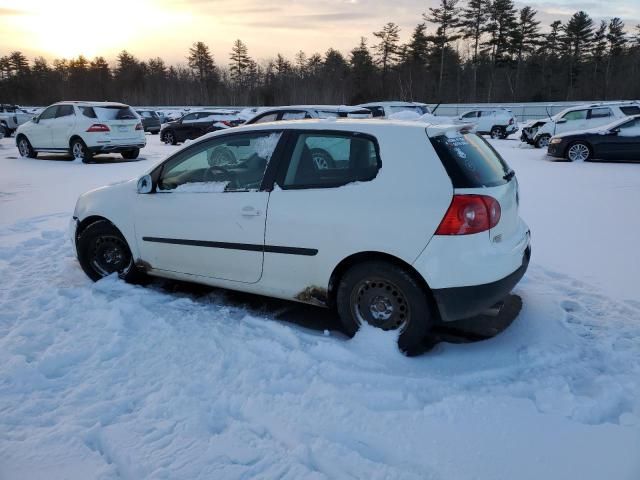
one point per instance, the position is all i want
(74, 137)
(84, 223)
(361, 257)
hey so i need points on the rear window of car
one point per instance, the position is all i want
(470, 160)
(114, 113)
(147, 114)
(630, 110)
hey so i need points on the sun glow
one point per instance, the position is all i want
(68, 28)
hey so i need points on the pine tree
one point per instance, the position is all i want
(525, 40)
(617, 42)
(445, 17)
(578, 37)
(363, 72)
(418, 46)
(386, 52)
(240, 63)
(201, 61)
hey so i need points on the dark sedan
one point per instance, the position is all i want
(619, 140)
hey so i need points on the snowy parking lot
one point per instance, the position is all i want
(108, 380)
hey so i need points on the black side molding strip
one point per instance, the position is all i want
(308, 252)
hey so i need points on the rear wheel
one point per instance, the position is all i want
(25, 148)
(79, 151)
(322, 159)
(131, 154)
(542, 141)
(385, 296)
(578, 152)
(102, 250)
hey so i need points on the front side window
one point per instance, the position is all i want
(64, 111)
(575, 115)
(601, 113)
(470, 115)
(630, 128)
(321, 160)
(192, 117)
(631, 110)
(49, 113)
(232, 163)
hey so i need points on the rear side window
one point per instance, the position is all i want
(470, 161)
(601, 113)
(322, 160)
(630, 110)
(114, 113)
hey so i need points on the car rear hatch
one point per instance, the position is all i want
(121, 120)
(476, 169)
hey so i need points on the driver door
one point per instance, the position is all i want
(207, 215)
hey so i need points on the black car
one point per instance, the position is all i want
(150, 121)
(196, 124)
(619, 140)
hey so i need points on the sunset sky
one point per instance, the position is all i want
(166, 28)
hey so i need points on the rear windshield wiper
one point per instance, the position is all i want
(509, 175)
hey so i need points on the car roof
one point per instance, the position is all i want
(84, 103)
(325, 108)
(388, 103)
(600, 104)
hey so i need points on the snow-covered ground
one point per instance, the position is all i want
(108, 380)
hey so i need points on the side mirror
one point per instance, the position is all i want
(35, 119)
(145, 184)
(614, 131)
(562, 120)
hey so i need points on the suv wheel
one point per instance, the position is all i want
(542, 141)
(388, 297)
(102, 250)
(25, 148)
(578, 152)
(169, 138)
(498, 132)
(79, 151)
(131, 154)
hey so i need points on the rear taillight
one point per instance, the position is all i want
(227, 123)
(98, 127)
(469, 214)
(139, 126)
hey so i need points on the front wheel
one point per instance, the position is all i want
(578, 152)
(542, 141)
(25, 148)
(102, 250)
(131, 154)
(169, 138)
(385, 296)
(79, 151)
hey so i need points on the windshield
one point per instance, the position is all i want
(470, 160)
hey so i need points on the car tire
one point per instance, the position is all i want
(169, 138)
(497, 132)
(389, 297)
(578, 152)
(102, 250)
(25, 148)
(131, 154)
(542, 141)
(79, 151)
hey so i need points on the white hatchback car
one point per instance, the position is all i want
(409, 226)
(83, 129)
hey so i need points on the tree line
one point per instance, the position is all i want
(473, 51)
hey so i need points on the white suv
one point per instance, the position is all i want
(497, 122)
(83, 129)
(411, 225)
(581, 117)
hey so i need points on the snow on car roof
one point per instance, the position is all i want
(325, 108)
(91, 104)
(388, 103)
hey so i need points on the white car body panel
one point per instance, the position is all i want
(396, 213)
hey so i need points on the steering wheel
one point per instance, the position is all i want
(209, 175)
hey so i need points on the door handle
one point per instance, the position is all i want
(249, 211)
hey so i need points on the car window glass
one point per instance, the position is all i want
(486, 113)
(376, 111)
(331, 159)
(88, 112)
(232, 163)
(631, 110)
(601, 113)
(271, 117)
(293, 115)
(470, 115)
(64, 111)
(189, 118)
(50, 112)
(630, 128)
(576, 115)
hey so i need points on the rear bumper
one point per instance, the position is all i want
(116, 148)
(458, 303)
